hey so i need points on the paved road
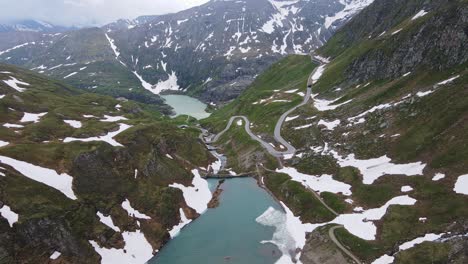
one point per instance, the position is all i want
(277, 133)
(289, 150)
(331, 234)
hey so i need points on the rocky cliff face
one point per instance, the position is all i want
(406, 36)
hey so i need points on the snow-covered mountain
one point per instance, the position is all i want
(31, 26)
(212, 51)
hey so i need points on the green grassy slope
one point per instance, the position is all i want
(103, 175)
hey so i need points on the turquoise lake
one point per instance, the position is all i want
(186, 105)
(228, 233)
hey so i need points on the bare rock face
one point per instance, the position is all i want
(319, 249)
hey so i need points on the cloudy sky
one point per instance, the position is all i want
(88, 12)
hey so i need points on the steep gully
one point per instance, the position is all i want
(290, 150)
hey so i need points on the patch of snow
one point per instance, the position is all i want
(330, 125)
(325, 105)
(73, 123)
(291, 118)
(419, 240)
(61, 182)
(183, 222)
(372, 169)
(107, 220)
(8, 125)
(137, 250)
(362, 225)
(438, 176)
(324, 183)
(448, 80)
(385, 259)
(419, 14)
(30, 117)
(304, 126)
(109, 138)
(70, 75)
(197, 196)
(3, 143)
(406, 188)
(108, 118)
(9, 215)
(461, 186)
(133, 212)
(13, 83)
(55, 255)
(351, 8)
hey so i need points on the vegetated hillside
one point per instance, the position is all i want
(84, 175)
(212, 51)
(388, 119)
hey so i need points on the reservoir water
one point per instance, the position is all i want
(227, 233)
(186, 105)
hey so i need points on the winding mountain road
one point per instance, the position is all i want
(290, 150)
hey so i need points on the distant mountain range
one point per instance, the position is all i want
(213, 51)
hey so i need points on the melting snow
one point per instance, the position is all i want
(197, 196)
(133, 212)
(109, 138)
(325, 105)
(55, 255)
(137, 250)
(9, 215)
(461, 186)
(324, 183)
(419, 14)
(73, 123)
(291, 118)
(29, 117)
(438, 176)
(3, 143)
(183, 222)
(330, 125)
(406, 188)
(107, 220)
(108, 118)
(13, 83)
(372, 169)
(351, 7)
(61, 182)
